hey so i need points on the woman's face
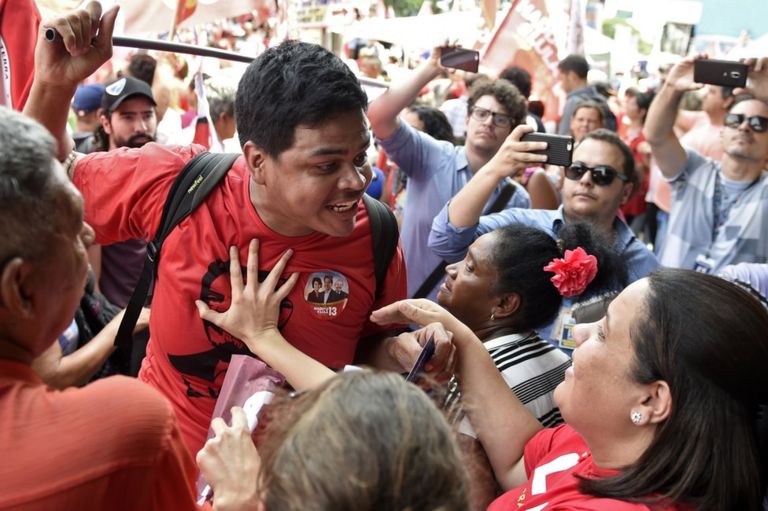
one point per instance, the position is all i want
(585, 120)
(598, 392)
(466, 289)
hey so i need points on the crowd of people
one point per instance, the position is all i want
(600, 329)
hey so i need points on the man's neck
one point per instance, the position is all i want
(602, 225)
(741, 169)
(716, 118)
(476, 159)
(260, 203)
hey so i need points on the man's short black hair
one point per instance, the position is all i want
(505, 93)
(575, 63)
(289, 85)
(611, 137)
(519, 77)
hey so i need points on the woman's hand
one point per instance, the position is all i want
(230, 463)
(255, 306)
(424, 312)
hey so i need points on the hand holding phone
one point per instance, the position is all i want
(720, 72)
(460, 58)
(559, 149)
(426, 354)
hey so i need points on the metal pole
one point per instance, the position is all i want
(188, 49)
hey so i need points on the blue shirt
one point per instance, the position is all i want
(436, 171)
(694, 239)
(452, 242)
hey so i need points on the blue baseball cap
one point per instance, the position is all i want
(87, 98)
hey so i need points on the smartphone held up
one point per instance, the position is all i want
(559, 149)
(460, 58)
(720, 72)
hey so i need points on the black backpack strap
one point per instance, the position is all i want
(507, 190)
(431, 281)
(195, 181)
(384, 235)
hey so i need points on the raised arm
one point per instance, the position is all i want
(660, 122)
(85, 43)
(513, 157)
(61, 371)
(383, 112)
(252, 318)
(503, 424)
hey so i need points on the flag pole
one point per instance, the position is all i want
(188, 49)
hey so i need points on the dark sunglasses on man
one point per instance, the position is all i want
(758, 123)
(602, 175)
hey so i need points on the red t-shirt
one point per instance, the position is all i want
(124, 193)
(114, 444)
(553, 459)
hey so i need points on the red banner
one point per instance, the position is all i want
(184, 10)
(18, 35)
(525, 38)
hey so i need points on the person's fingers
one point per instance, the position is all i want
(235, 273)
(205, 312)
(270, 283)
(252, 265)
(93, 10)
(239, 419)
(103, 39)
(287, 286)
(443, 347)
(388, 314)
(218, 426)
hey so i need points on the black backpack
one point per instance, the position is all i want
(190, 188)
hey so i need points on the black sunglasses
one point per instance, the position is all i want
(758, 123)
(602, 175)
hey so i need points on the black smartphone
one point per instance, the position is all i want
(426, 354)
(559, 149)
(460, 58)
(720, 72)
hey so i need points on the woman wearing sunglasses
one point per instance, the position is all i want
(596, 184)
(657, 418)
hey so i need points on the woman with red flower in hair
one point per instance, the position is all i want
(511, 281)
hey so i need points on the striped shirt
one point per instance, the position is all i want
(532, 368)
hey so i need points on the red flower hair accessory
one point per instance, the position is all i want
(574, 272)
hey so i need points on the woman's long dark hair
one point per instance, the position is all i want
(519, 257)
(708, 339)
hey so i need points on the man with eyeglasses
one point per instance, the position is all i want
(598, 182)
(436, 170)
(719, 210)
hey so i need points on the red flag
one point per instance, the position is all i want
(202, 133)
(19, 21)
(184, 10)
(525, 38)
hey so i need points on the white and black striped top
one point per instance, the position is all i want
(532, 368)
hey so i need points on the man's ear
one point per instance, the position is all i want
(105, 124)
(506, 305)
(626, 192)
(15, 288)
(256, 159)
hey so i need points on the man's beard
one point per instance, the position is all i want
(137, 140)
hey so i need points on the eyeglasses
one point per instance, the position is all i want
(481, 114)
(602, 175)
(758, 123)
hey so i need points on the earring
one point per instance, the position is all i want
(636, 418)
(492, 316)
